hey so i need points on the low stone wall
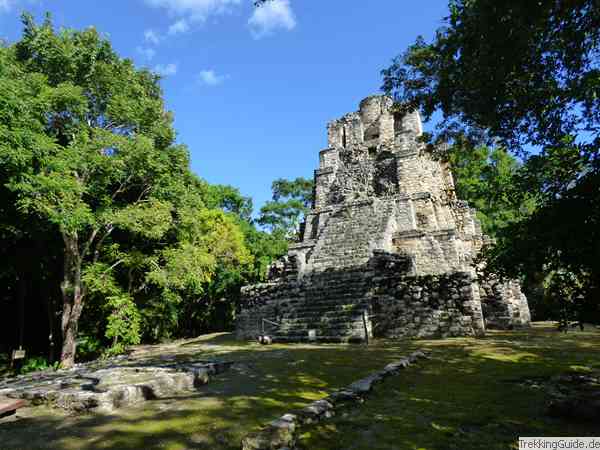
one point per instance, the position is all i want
(282, 433)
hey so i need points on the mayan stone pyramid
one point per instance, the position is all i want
(386, 250)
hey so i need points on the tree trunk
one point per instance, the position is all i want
(72, 296)
(22, 295)
(50, 316)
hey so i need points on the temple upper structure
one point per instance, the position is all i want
(386, 250)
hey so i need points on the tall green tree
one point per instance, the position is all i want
(524, 76)
(525, 73)
(284, 213)
(94, 160)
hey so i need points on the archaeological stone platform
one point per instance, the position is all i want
(387, 248)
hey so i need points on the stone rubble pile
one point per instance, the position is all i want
(102, 390)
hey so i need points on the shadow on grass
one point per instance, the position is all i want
(265, 382)
(464, 397)
(468, 396)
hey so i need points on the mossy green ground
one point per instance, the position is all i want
(464, 397)
(470, 395)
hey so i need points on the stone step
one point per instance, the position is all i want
(320, 319)
(305, 326)
(321, 307)
(316, 313)
(304, 338)
(323, 329)
(342, 288)
(334, 308)
(351, 279)
(332, 302)
(322, 311)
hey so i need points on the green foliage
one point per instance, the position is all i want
(206, 238)
(87, 159)
(123, 323)
(99, 279)
(526, 73)
(524, 76)
(266, 247)
(563, 288)
(229, 199)
(285, 212)
(88, 348)
(151, 220)
(487, 178)
(36, 364)
(562, 237)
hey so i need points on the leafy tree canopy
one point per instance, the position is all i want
(525, 76)
(524, 72)
(88, 151)
(285, 212)
(488, 178)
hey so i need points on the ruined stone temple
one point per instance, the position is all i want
(387, 249)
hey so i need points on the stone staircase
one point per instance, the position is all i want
(333, 307)
(346, 237)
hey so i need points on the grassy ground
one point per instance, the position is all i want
(470, 395)
(465, 397)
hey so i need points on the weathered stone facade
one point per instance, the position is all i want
(387, 247)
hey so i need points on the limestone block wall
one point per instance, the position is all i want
(395, 304)
(504, 305)
(419, 173)
(265, 301)
(433, 253)
(331, 303)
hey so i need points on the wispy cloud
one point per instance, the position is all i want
(181, 26)
(195, 10)
(151, 36)
(6, 5)
(166, 70)
(9, 5)
(211, 78)
(270, 17)
(147, 52)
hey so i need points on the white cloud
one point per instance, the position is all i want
(147, 52)
(165, 69)
(150, 36)
(181, 26)
(8, 5)
(210, 78)
(270, 17)
(5, 5)
(197, 10)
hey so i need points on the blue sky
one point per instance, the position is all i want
(252, 90)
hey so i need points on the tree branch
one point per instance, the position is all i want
(109, 229)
